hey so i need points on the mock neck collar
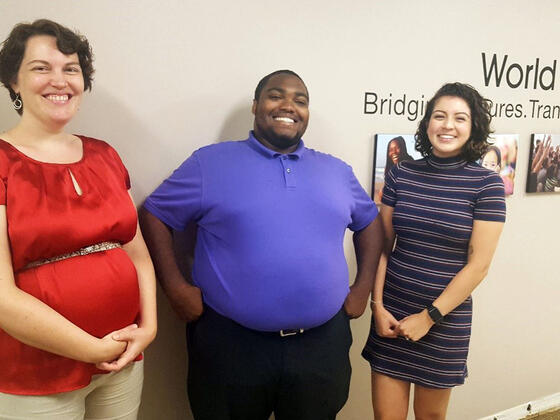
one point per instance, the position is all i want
(262, 149)
(453, 162)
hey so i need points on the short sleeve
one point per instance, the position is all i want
(178, 199)
(4, 165)
(122, 169)
(490, 204)
(390, 188)
(364, 210)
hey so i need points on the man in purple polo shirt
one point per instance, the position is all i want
(268, 304)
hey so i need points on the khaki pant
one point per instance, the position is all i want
(109, 397)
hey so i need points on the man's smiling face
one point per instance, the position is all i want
(281, 113)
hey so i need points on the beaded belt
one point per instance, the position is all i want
(102, 246)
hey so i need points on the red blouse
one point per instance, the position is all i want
(47, 217)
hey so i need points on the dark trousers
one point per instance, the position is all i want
(236, 373)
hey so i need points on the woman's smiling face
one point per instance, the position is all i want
(449, 128)
(49, 82)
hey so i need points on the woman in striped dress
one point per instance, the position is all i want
(443, 215)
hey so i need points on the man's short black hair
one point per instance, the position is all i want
(265, 79)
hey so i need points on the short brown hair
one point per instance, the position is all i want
(67, 41)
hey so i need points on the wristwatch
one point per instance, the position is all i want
(434, 313)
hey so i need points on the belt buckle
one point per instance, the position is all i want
(287, 333)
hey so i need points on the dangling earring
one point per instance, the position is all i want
(17, 103)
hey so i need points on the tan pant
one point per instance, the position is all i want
(109, 397)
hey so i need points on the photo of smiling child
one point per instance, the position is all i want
(501, 157)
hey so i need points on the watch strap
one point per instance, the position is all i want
(434, 313)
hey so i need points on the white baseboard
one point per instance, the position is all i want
(530, 407)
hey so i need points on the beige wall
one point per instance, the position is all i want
(175, 75)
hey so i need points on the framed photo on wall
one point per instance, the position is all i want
(389, 149)
(501, 157)
(543, 174)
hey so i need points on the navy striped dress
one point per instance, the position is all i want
(435, 201)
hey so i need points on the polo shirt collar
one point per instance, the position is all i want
(259, 147)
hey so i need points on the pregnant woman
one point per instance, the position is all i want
(77, 289)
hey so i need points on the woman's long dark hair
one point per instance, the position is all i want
(403, 153)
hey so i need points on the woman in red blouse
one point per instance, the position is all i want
(77, 286)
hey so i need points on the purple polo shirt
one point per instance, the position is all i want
(269, 252)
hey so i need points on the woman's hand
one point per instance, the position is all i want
(109, 348)
(415, 326)
(385, 323)
(133, 340)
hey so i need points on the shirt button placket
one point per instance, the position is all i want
(287, 165)
(290, 175)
